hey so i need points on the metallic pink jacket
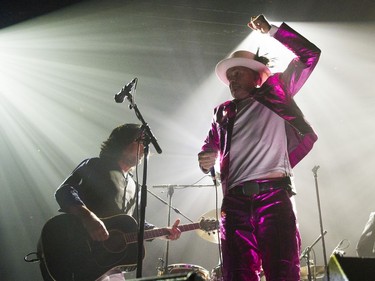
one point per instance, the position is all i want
(276, 93)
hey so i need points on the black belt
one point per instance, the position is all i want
(252, 187)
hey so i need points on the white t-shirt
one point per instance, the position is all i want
(258, 144)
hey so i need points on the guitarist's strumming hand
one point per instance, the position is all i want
(94, 226)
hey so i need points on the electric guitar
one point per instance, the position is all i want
(69, 253)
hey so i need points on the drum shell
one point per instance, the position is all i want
(185, 268)
(216, 274)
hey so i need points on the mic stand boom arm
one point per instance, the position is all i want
(147, 129)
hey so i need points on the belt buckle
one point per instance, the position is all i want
(250, 188)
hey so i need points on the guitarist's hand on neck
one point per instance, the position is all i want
(174, 231)
(94, 226)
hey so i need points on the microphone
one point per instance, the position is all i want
(119, 97)
(213, 175)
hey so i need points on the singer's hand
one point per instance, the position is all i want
(259, 23)
(207, 160)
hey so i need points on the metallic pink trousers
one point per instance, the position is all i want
(260, 232)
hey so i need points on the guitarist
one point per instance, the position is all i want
(103, 186)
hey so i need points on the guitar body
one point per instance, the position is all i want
(69, 254)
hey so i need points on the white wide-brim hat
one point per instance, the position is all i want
(241, 58)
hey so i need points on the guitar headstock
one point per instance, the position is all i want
(208, 224)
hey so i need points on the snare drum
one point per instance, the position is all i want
(185, 268)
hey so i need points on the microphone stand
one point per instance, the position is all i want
(142, 209)
(315, 172)
(149, 137)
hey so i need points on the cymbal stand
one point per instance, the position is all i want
(306, 254)
(170, 194)
(164, 263)
(168, 204)
(315, 172)
(171, 188)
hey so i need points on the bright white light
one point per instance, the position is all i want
(58, 76)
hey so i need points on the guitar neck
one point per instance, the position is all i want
(159, 232)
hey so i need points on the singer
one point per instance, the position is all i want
(260, 135)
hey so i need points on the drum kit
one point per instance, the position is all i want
(215, 274)
(185, 268)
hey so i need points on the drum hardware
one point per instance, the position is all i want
(317, 271)
(170, 208)
(179, 268)
(322, 231)
(171, 188)
(163, 268)
(160, 268)
(216, 274)
(308, 269)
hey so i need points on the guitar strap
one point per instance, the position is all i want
(124, 196)
(127, 207)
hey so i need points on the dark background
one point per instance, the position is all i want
(309, 10)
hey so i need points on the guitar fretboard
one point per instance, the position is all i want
(159, 232)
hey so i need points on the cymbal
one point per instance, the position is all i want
(211, 236)
(317, 271)
(211, 214)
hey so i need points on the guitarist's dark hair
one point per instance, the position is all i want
(120, 137)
